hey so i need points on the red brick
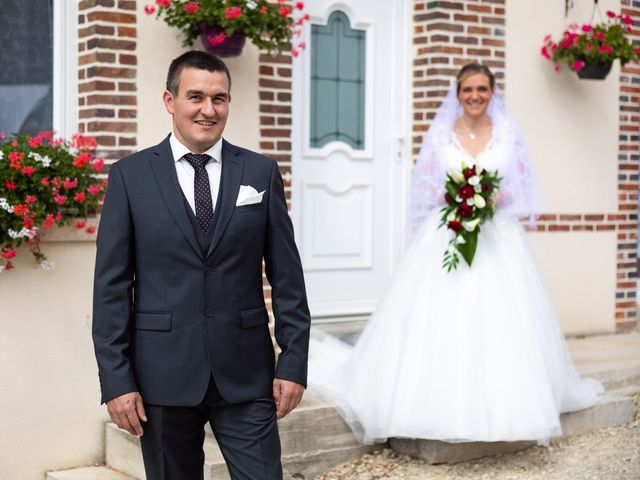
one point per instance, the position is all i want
(96, 30)
(97, 113)
(127, 113)
(266, 108)
(110, 44)
(558, 228)
(111, 127)
(113, 17)
(111, 100)
(111, 72)
(268, 83)
(96, 85)
(131, 32)
(128, 59)
(275, 132)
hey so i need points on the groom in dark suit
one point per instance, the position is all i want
(180, 326)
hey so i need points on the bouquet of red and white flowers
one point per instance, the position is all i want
(471, 199)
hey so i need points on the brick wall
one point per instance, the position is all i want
(274, 90)
(448, 34)
(626, 224)
(107, 69)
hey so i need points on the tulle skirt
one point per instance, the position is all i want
(472, 355)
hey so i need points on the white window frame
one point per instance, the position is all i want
(65, 67)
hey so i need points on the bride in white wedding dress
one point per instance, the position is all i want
(472, 355)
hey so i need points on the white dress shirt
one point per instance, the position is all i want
(186, 172)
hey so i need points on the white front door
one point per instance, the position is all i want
(351, 151)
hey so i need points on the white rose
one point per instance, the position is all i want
(475, 180)
(470, 202)
(479, 200)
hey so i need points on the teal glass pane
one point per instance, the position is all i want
(337, 83)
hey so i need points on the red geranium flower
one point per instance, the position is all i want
(31, 199)
(192, 7)
(233, 12)
(28, 171)
(9, 184)
(285, 11)
(79, 197)
(149, 9)
(8, 253)
(20, 209)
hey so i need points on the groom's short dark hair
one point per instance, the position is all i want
(194, 59)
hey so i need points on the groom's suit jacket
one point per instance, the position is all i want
(167, 316)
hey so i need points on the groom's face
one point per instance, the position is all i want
(200, 108)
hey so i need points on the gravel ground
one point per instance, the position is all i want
(609, 454)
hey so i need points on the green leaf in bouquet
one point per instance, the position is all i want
(468, 248)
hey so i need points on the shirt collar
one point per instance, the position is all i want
(179, 150)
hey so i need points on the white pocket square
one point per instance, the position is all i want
(248, 196)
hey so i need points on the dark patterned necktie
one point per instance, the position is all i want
(201, 189)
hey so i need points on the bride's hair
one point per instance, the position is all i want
(472, 69)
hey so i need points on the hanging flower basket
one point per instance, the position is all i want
(594, 71)
(589, 50)
(215, 41)
(272, 26)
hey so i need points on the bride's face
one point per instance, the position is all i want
(475, 94)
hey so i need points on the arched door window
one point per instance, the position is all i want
(337, 83)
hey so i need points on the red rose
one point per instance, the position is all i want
(465, 211)
(466, 191)
(454, 225)
(469, 172)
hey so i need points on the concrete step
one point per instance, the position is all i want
(98, 472)
(610, 411)
(314, 439)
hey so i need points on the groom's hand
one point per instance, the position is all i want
(126, 411)
(287, 396)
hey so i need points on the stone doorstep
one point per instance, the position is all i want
(610, 411)
(87, 473)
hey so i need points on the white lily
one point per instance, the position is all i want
(470, 202)
(460, 240)
(451, 216)
(477, 188)
(471, 225)
(456, 176)
(475, 180)
(479, 200)
(458, 199)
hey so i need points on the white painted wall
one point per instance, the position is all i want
(571, 128)
(50, 412)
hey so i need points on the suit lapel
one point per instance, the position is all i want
(164, 170)
(232, 166)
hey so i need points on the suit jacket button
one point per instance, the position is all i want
(207, 271)
(208, 313)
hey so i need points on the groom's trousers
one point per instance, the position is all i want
(247, 434)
